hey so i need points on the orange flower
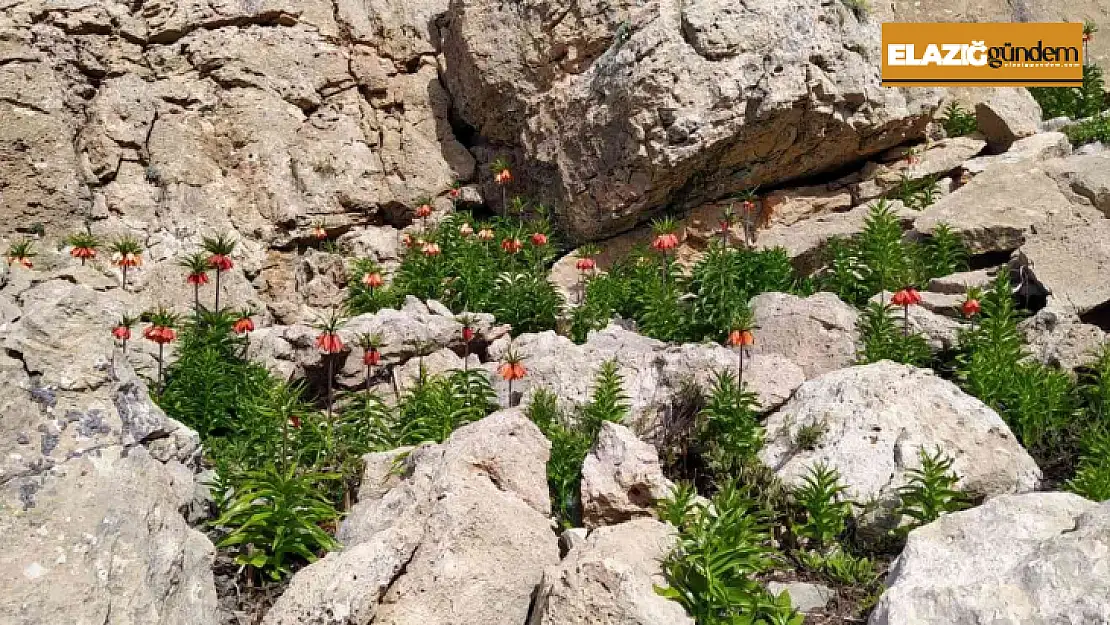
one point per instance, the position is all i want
(319, 232)
(466, 230)
(512, 371)
(539, 239)
(585, 264)
(665, 242)
(741, 338)
(971, 307)
(371, 357)
(423, 210)
(199, 279)
(431, 249)
(160, 334)
(906, 297)
(220, 262)
(511, 246)
(122, 332)
(243, 325)
(485, 234)
(83, 252)
(503, 177)
(406, 240)
(329, 343)
(372, 280)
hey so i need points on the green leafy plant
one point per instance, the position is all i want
(1037, 402)
(883, 338)
(713, 570)
(841, 567)
(571, 439)
(931, 491)
(1092, 476)
(275, 518)
(728, 428)
(809, 436)
(957, 120)
(1074, 102)
(825, 511)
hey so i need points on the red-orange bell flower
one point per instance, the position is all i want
(665, 242)
(971, 307)
(243, 325)
(585, 264)
(431, 249)
(511, 246)
(371, 357)
(220, 262)
(741, 338)
(423, 210)
(485, 234)
(906, 297)
(539, 239)
(122, 333)
(373, 280)
(329, 343)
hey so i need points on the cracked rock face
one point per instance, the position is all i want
(461, 535)
(91, 485)
(623, 107)
(1033, 558)
(254, 115)
(876, 417)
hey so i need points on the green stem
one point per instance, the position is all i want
(161, 348)
(217, 303)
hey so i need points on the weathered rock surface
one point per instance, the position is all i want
(932, 159)
(1030, 559)
(621, 478)
(993, 214)
(1089, 176)
(91, 484)
(1039, 147)
(875, 419)
(804, 596)
(960, 283)
(817, 332)
(1007, 115)
(609, 579)
(645, 114)
(1069, 263)
(653, 372)
(933, 319)
(1062, 340)
(462, 535)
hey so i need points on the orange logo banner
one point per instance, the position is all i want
(983, 54)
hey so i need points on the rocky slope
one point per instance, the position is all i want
(173, 120)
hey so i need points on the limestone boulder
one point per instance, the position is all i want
(817, 332)
(653, 373)
(876, 417)
(92, 482)
(461, 535)
(645, 115)
(1066, 264)
(1039, 147)
(1089, 176)
(609, 579)
(1007, 115)
(1061, 340)
(621, 478)
(1033, 559)
(992, 214)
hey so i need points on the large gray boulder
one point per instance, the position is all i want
(816, 332)
(621, 478)
(609, 579)
(629, 106)
(91, 487)
(1069, 263)
(461, 534)
(1007, 115)
(876, 417)
(1034, 559)
(993, 214)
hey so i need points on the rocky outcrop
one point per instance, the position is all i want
(609, 579)
(653, 372)
(1061, 340)
(623, 107)
(1007, 115)
(91, 483)
(461, 535)
(874, 422)
(817, 332)
(992, 214)
(621, 478)
(1032, 559)
(1066, 264)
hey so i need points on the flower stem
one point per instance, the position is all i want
(196, 297)
(331, 374)
(740, 372)
(510, 393)
(124, 285)
(161, 348)
(905, 321)
(218, 272)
